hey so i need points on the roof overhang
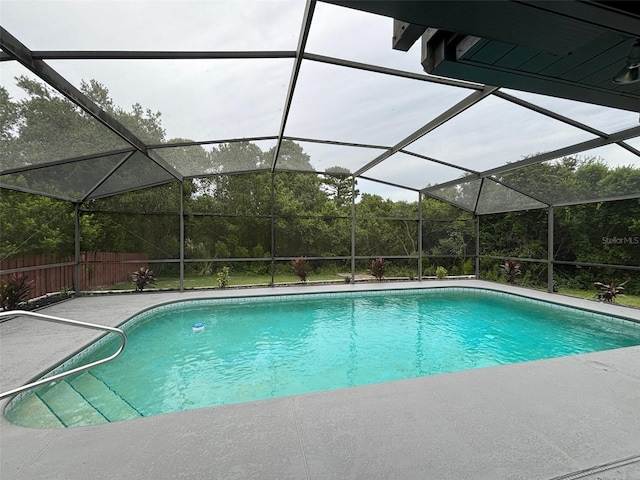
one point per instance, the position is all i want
(564, 49)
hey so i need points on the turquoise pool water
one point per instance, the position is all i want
(252, 349)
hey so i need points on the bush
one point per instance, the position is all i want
(301, 268)
(223, 277)
(511, 270)
(377, 268)
(469, 266)
(143, 277)
(14, 291)
(609, 291)
(441, 272)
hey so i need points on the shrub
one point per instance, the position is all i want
(377, 268)
(428, 270)
(609, 292)
(469, 267)
(143, 277)
(14, 291)
(441, 272)
(511, 270)
(301, 268)
(223, 277)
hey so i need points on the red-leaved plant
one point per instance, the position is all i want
(143, 277)
(511, 270)
(609, 291)
(14, 291)
(301, 268)
(377, 268)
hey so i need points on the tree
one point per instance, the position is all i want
(339, 184)
(35, 224)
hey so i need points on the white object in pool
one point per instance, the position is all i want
(198, 327)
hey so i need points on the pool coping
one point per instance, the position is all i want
(340, 434)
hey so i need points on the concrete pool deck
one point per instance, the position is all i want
(537, 420)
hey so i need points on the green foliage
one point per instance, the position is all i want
(222, 251)
(223, 277)
(441, 272)
(241, 252)
(609, 291)
(14, 291)
(301, 268)
(35, 224)
(377, 268)
(142, 278)
(340, 185)
(468, 266)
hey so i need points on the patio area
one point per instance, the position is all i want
(544, 420)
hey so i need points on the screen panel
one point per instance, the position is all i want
(495, 198)
(606, 172)
(356, 106)
(464, 194)
(42, 126)
(164, 101)
(495, 132)
(69, 180)
(155, 25)
(605, 119)
(413, 172)
(137, 171)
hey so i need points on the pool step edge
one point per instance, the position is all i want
(70, 406)
(108, 402)
(33, 412)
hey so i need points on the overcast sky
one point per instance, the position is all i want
(218, 99)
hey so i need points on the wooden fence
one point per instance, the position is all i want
(53, 274)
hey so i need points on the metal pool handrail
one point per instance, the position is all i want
(66, 321)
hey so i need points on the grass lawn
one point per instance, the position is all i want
(235, 280)
(243, 279)
(628, 300)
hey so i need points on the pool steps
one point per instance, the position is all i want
(111, 405)
(81, 400)
(37, 413)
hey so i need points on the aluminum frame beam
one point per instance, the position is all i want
(570, 150)
(105, 177)
(392, 71)
(551, 114)
(55, 163)
(444, 117)
(295, 72)
(543, 157)
(158, 54)
(24, 56)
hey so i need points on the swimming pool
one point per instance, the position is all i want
(256, 348)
